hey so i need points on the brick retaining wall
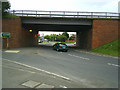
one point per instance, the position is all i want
(19, 36)
(104, 31)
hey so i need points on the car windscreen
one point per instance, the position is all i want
(62, 45)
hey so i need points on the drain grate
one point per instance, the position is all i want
(30, 84)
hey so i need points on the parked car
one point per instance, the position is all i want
(60, 47)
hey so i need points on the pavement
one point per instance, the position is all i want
(49, 68)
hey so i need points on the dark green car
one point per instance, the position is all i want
(60, 47)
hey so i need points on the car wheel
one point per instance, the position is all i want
(66, 50)
(53, 48)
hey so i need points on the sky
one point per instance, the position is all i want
(119, 7)
(43, 33)
(66, 5)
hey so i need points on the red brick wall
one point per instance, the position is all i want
(19, 36)
(104, 31)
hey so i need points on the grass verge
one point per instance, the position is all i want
(64, 42)
(112, 48)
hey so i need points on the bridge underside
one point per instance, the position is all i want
(56, 27)
(84, 32)
(90, 33)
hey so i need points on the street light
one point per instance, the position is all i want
(30, 30)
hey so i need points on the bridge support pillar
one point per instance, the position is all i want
(84, 39)
(20, 36)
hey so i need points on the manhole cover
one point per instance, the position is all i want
(45, 86)
(30, 84)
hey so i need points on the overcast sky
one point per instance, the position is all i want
(66, 5)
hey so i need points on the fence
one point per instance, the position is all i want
(73, 14)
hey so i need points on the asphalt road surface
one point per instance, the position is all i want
(92, 70)
(52, 43)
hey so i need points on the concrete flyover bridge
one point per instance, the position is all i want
(93, 28)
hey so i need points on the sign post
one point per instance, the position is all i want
(6, 35)
(7, 43)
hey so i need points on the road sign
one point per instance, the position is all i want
(5, 34)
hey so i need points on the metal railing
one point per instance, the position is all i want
(74, 14)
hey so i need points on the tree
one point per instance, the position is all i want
(47, 37)
(66, 34)
(61, 38)
(73, 37)
(53, 37)
(5, 8)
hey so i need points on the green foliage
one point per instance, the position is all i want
(112, 48)
(61, 38)
(71, 38)
(47, 37)
(5, 11)
(65, 34)
(5, 7)
(54, 37)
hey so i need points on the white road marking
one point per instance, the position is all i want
(38, 69)
(45, 86)
(79, 57)
(113, 64)
(12, 51)
(62, 86)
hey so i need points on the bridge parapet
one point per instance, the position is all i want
(71, 14)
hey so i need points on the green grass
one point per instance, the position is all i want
(58, 42)
(64, 42)
(112, 48)
(46, 42)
